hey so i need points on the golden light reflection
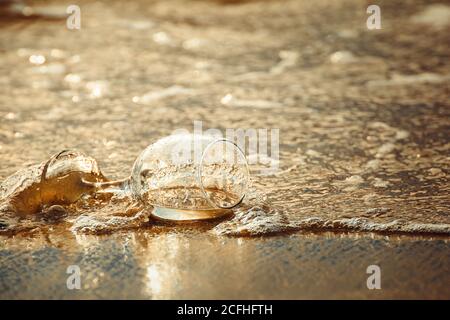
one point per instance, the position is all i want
(154, 284)
(162, 266)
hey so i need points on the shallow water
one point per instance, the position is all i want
(187, 263)
(363, 118)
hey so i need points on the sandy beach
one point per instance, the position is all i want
(362, 120)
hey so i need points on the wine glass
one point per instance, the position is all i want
(188, 177)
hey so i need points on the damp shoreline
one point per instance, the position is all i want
(363, 145)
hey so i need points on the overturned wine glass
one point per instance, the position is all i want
(186, 177)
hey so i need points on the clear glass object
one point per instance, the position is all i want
(190, 177)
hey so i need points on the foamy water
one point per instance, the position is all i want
(255, 217)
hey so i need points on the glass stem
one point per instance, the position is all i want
(118, 187)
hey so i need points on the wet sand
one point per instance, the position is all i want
(364, 126)
(184, 263)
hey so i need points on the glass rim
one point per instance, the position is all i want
(200, 169)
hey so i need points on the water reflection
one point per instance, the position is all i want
(161, 260)
(37, 59)
(97, 89)
(169, 264)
